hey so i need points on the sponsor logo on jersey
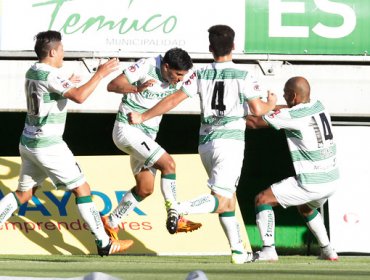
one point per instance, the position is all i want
(274, 114)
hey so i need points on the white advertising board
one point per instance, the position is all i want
(349, 208)
(118, 25)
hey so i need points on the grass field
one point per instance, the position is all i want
(176, 268)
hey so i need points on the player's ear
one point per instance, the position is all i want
(52, 52)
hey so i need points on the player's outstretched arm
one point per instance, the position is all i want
(160, 108)
(80, 94)
(259, 107)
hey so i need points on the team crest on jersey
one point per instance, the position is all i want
(132, 68)
(256, 87)
(192, 76)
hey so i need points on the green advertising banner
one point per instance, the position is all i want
(321, 27)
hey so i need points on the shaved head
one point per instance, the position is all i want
(297, 90)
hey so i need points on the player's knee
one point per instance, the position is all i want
(260, 199)
(24, 196)
(143, 193)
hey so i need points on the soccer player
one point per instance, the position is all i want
(143, 85)
(42, 149)
(226, 92)
(312, 147)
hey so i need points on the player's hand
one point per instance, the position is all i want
(271, 98)
(108, 67)
(134, 118)
(145, 85)
(76, 79)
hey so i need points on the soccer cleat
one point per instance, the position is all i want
(328, 253)
(172, 220)
(184, 225)
(111, 231)
(266, 254)
(241, 257)
(114, 246)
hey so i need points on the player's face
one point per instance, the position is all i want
(59, 55)
(173, 76)
(289, 97)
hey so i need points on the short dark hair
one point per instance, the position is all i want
(45, 41)
(221, 39)
(178, 59)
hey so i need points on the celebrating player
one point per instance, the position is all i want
(42, 149)
(143, 85)
(312, 147)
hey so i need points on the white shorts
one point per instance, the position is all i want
(289, 192)
(143, 150)
(56, 162)
(223, 160)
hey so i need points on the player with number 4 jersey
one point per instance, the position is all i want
(226, 92)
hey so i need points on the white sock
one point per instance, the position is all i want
(231, 228)
(7, 207)
(91, 216)
(168, 188)
(200, 205)
(316, 224)
(265, 220)
(127, 204)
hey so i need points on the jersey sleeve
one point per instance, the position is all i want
(137, 71)
(189, 85)
(281, 119)
(58, 84)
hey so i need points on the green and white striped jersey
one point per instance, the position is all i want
(311, 142)
(143, 70)
(46, 106)
(224, 89)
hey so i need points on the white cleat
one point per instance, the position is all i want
(328, 253)
(240, 258)
(266, 254)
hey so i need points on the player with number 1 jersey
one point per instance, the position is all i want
(311, 143)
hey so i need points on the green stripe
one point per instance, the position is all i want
(263, 207)
(227, 214)
(49, 119)
(309, 218)
(169, 176)
(147, 129)
(222, 74)
(133, 105)
(37, 75)
(152, 155)
(83, 199)
(317, 155)
(233, 134)
(217, 202)
(49, 97)
(307, 111)
(135, 195)
(319, 178)
(293, 134)
(40, 142)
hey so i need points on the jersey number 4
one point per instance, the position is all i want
(218, 98)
